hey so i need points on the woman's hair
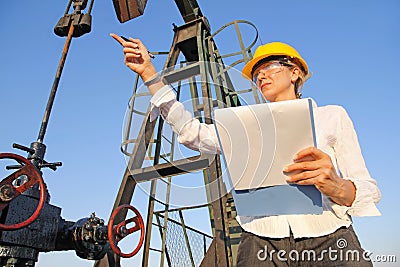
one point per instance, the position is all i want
(298, 84)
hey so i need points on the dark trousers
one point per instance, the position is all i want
(340, 248)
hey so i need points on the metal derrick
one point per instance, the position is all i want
(195, 65)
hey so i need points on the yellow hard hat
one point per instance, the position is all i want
(272, 49)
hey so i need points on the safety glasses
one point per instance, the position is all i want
(268, 69)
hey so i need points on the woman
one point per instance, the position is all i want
(336, 167)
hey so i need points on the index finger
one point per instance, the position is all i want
(308, 152)
(117, 38)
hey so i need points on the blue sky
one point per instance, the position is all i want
(351, 48)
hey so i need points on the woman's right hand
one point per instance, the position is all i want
(137, 57)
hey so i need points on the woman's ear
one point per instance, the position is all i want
(295, 74)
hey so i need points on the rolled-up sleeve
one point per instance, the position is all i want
(191, 132)
(352, 167)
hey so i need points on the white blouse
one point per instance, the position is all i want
(335, 136)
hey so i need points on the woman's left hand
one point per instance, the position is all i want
(312, 166)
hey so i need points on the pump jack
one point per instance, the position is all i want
(29, 224)
(90, 237)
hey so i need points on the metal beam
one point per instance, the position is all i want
(170, 169)
(189, 9)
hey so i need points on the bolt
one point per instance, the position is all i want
(123, 230)
(7, 192)
(88, 226)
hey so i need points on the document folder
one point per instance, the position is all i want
(257, 142)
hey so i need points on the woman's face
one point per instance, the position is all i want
(276, 81)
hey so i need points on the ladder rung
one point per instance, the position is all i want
(170, 169)
(154, 249)
(182, 73)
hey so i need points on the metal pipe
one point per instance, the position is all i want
(68, 7)
(186, 238)
(90, 7)
(53, 92)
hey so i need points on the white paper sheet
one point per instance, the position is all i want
(258, 141)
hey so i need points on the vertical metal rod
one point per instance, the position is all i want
(164, 235)
(150, 213)
(217, 79)
(167, 198)
(161, 230)
(152, 197)
(68, 7)
(186, 238)
(131, 105)
(195, 99)
(90, 7)
(53, 92)
(204, 245)
(246, 56)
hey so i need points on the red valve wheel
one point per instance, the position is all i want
(119, 231)
(8, 191)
